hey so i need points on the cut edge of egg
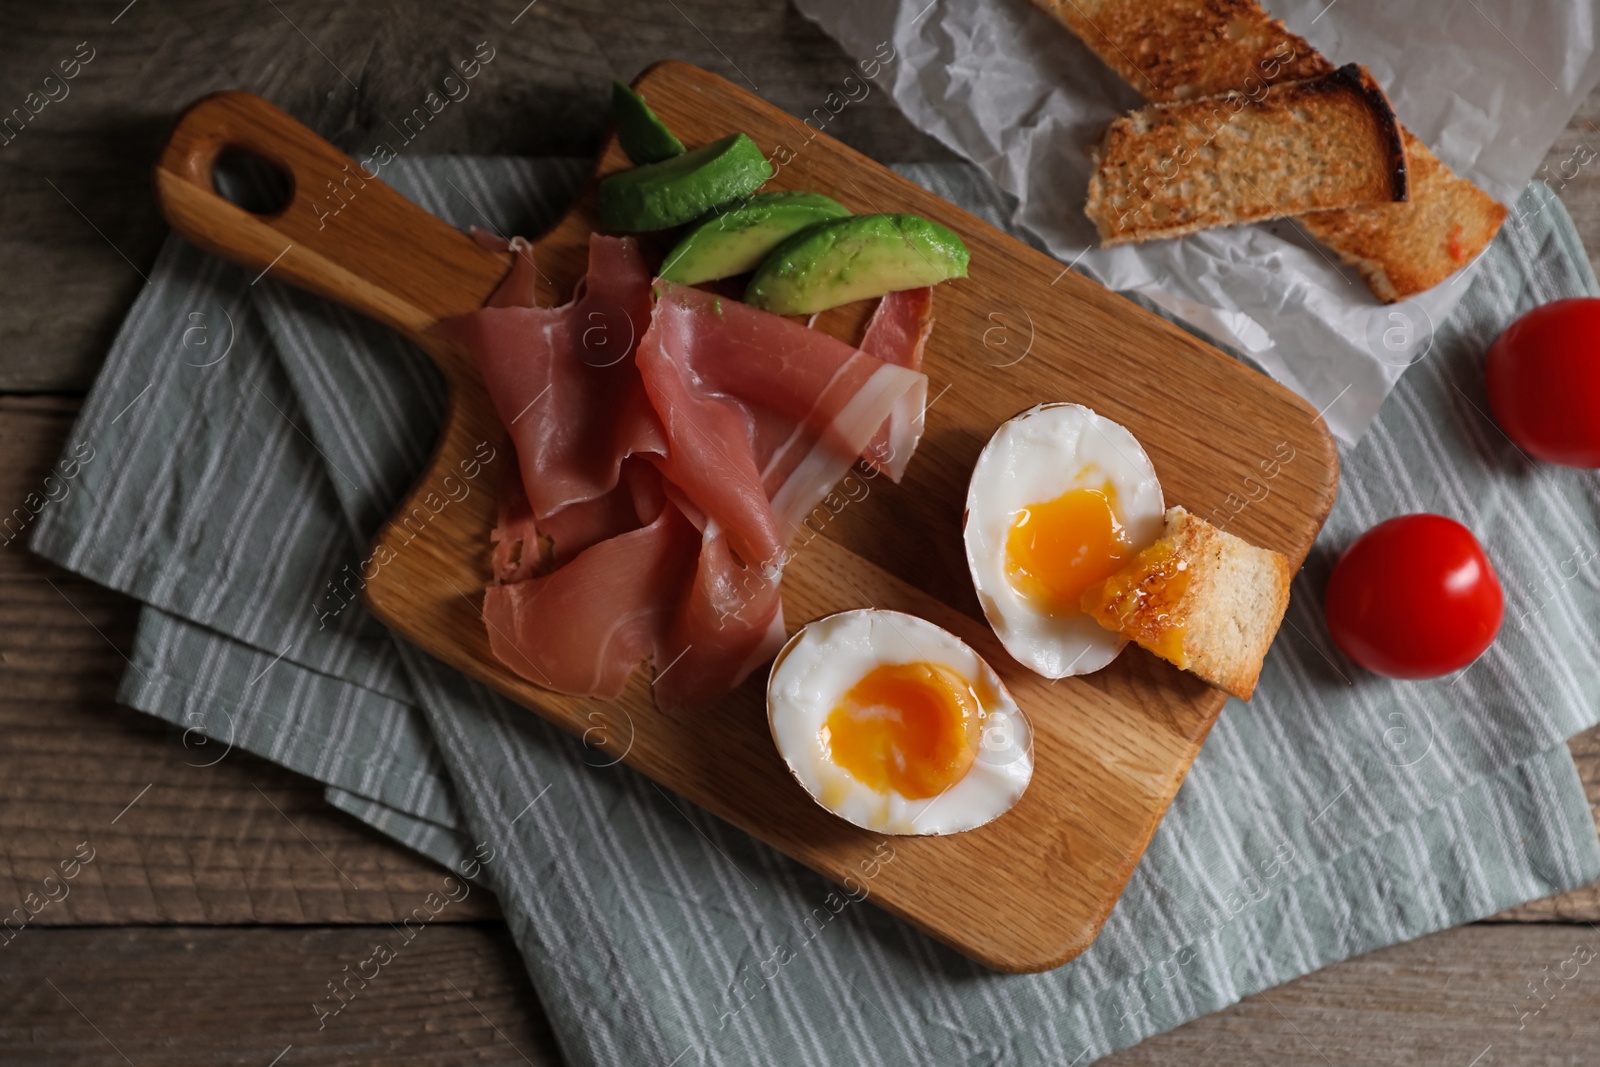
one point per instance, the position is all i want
(1106, 644)
(1019, 768)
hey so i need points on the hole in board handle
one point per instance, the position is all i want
(252, 182)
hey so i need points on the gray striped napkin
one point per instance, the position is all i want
(249, 438)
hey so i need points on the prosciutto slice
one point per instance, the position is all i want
(562, 379)
(763, 415)
(584, 626)
(897, 333)
(669, 444)
(517, 549)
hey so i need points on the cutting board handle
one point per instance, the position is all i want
(343, 235)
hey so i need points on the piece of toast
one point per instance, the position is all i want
(1182, 49)
(1178, 49)
(1404, 249)
(1282, 149)
(1199, 598)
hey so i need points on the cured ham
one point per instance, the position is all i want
(584, 626)
(806, 403)
(897, 333)
(669, 444)
(515, 537)
(562, 379)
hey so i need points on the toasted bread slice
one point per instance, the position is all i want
(1183, 49)
(1404, 249)
(1178, 49)
(1199, 598)
(1171, 169)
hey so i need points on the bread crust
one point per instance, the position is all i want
(1185, 49)
(1357, 79)
(1179, 49)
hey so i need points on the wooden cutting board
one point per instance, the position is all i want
(1030, 890)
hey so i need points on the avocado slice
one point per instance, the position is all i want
(735, 241)
(659, 196)
(645, 138)
(835, 262)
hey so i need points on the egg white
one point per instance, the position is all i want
(1035, 457)
(828, 657)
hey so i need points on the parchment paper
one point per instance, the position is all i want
(1489, 84)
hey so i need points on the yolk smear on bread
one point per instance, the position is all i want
(1142, 601)
(1058, 548)
(910, 728)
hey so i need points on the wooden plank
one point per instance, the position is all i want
(1456, 998)
(543, 93)
(203, 844)
(191, 996)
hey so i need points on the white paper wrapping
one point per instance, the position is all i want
(1489, 84)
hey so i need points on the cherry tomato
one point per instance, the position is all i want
(1414, 597)
(1544, 382)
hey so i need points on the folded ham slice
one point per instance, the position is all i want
(763, 416)
(897, 333)
(562, 379)
(669, 445)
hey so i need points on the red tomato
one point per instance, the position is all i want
(1414, 597)
(1544, 382)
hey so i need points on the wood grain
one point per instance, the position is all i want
(544, 93)
(177, 996)
(1453, 999)
(189, 996)
(1110, 750)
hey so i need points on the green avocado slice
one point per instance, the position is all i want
(645, 138)
(835, 262)
(659, 196)
(737, 240)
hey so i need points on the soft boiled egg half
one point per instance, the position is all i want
(896, 725)
(1060, 499)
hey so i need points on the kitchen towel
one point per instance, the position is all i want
(246, 439)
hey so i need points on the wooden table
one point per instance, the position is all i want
(212, 915)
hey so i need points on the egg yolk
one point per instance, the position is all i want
(912, 728)
(1141, 601)
(1057, 549)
